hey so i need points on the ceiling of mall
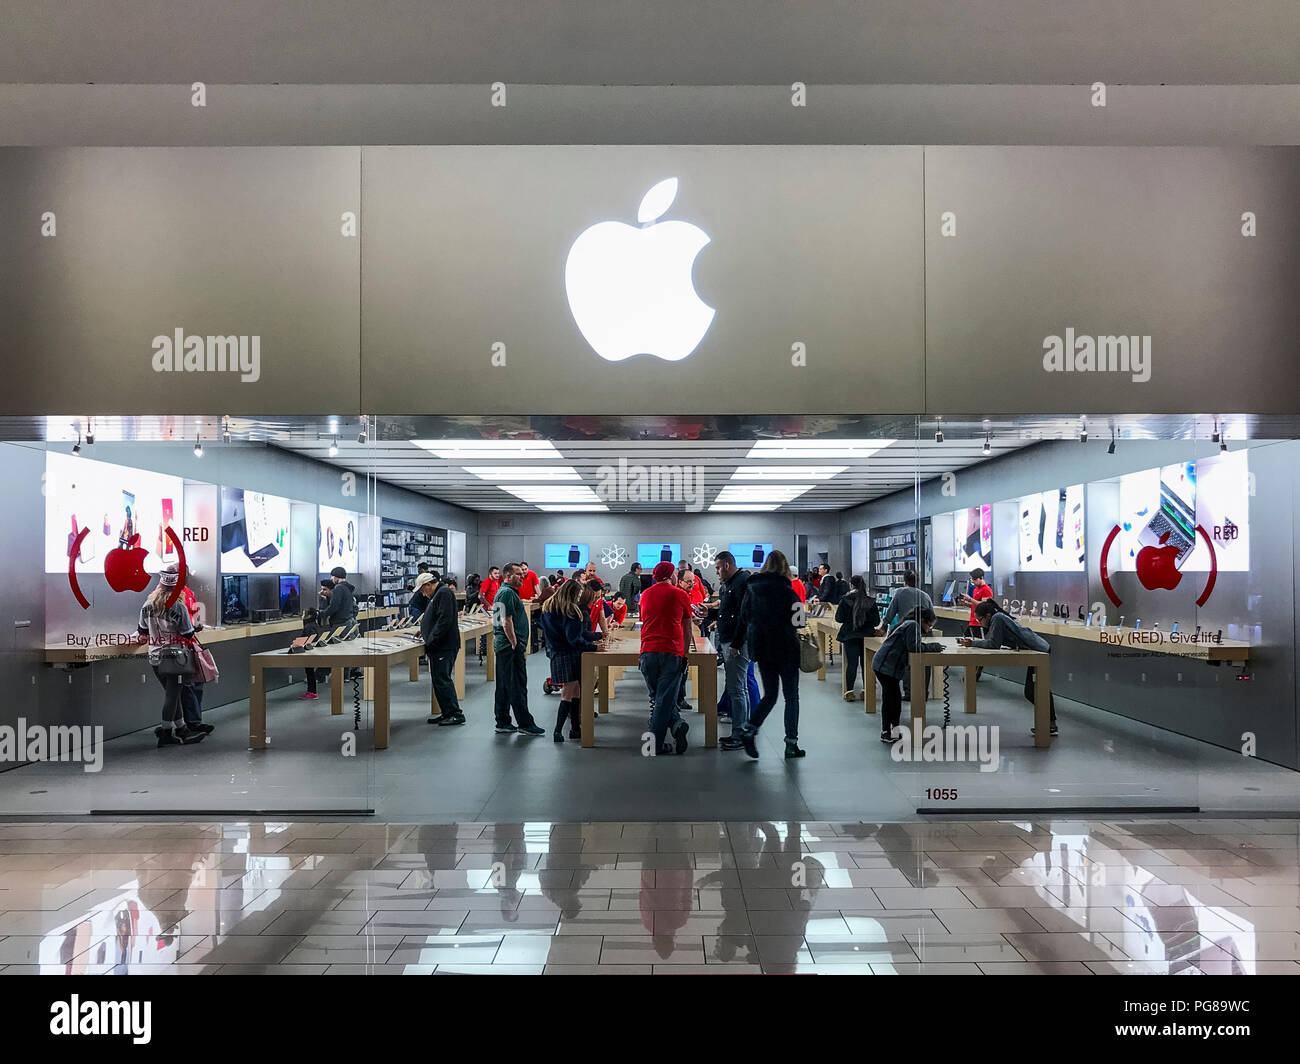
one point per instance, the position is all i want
(668, 42)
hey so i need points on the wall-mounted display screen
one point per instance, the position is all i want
(1052, 531)
(290, 595)
(254, 532)
(234, 599)
(564, 555)
(973, 538)
(113, 504)
(337, 536)
(651, 554)
(750, 555)
(1162, 508)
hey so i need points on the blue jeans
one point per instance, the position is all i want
(663, 674)
(736, 672)
(192, 703)
(787, 674)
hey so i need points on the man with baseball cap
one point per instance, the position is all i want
(665, 635)
(441, 634)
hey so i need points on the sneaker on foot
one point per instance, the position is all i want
(308, 696)
(792, 749)
(505, 729)
(679, 736)
(748, 739)
(1053, 730)
(666, 749)
(731, 742)
(531, 729)
(436, 720)
(447, 720)
(889, 737)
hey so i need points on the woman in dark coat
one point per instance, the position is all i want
(566, 629)
(768, 624)
(858, 617)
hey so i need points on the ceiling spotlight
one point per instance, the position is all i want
(1111, 448)
(362, 436)
(225, 430)
(198, 446)
(988, 446)
(334, 447)
(1217, 436)
(1083, 430)
(76, 447)
(90, 432)
(1223, 444)
(938, 434)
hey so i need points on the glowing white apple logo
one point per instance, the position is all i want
(630, 288)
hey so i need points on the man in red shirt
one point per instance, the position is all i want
(665, 635)
(979, 590)
(489, 588)
(528, 589)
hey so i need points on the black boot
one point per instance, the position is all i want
(561, 713)
(575, 719)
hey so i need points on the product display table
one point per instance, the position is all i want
(971, 658)
(826, 629)
(1153, 641)
(371, 652)
(624, 650)
(56, 654)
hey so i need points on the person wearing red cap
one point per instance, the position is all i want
(665, 635)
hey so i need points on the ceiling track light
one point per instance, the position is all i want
(988, 445)
(1217, 437)
(198, 446)
(1083, 430)
(362, 436)
(334, 447)
(938, 433)
(76, 447)
(90, 432)
(1111, 448)
(225, 429)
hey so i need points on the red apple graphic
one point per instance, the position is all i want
(124, 567)
(1157, 567)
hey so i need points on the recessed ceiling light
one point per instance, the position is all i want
(499, 473)
(736, 507)
(552, 492)
(490, 450)
(573, 508)
(817, 448)
(787, 472)
(761, 492)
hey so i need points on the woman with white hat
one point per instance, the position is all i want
(166, 627)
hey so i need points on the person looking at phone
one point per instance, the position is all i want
(1005, 631)
(890, 665)
(979, 591)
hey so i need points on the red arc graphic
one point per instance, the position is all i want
(75, 551)
(1209, 584)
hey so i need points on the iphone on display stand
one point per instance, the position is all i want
(1137, 624)
(1088, 622)
(1121, 621)
(1174, 629)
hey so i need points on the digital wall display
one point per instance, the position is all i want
(1052, 531)
(234, 599)
(290, 595)
(750, 555)
(973, 538)
(113, 504)
(337, 536)
(564, 555)
(254, 532)
(651, 554)
(1162, 508)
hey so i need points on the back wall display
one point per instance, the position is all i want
(651, 554)
(1051, 531)
(565, 555)
(339, 534)
(254, 532)
(973, 538)
(750, 555)
(112, 504)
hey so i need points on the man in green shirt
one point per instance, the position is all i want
(630, 586)
(510, 634)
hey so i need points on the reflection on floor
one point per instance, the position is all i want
(978, 897)
(1100, 761)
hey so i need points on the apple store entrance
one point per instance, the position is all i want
(1140, 656)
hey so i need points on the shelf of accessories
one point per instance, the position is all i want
(1153, 641)
(891, 555)
(401, 550)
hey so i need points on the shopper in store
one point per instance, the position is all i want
(167, 627)
(488, 589)
(890, 665)
(192, 687)
(440, 631)
(566, 631)
(832, 589)
(694, 588)
(311, 626)
(800, 589)
(630, 585)
(732, 581)
(510, 630)
(906, 599)
(699, 579)
(666, 635)
(341, 610)
(618, 609)
(1005, 631)
(768, 627)
(858, 617)
(979, 591)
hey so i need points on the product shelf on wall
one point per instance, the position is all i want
(893, 552)
(403, 546)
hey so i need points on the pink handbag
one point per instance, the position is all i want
(205, 665)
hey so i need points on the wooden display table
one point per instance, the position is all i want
(624, 650)
(1155, 642)
(825, 628)
(971, 658)
(56, 654)
(364, 653)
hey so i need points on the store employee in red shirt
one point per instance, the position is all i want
(978, 592)
(665, 635)
(528, 589)
(489, 588)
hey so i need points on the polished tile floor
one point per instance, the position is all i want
(965, 896)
